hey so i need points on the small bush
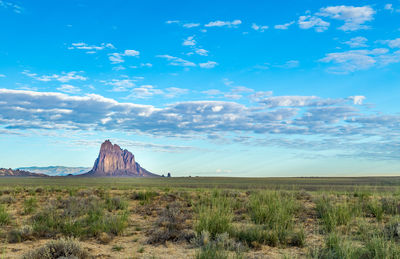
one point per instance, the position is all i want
(390, 205)
(211, 251)
(298, 238)
(333, 215)
(20, 235)
(375, 209)
(115, 203)
(30, 205)
(215, 220)
(379, 247)
(5, 218)
(144, 196)
(7, 199)
(171, 226)
(392, 229)
(337, 247)
(62, 248)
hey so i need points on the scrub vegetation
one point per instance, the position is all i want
(187, 218)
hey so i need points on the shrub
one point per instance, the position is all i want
(390, 205)
(171, 226)
(298, 238)
(214, 219)
(217, 248)
(7, 199)
(333, 215)
(78, 218)
(62, 248)
(375, 208)
(30, 205)
(392, 229)
(379, 247)
(253, 236)
(20, 235)
(337, 247)
(211, 251)
(144, 196)
(276, 211)
(115, 203)
(5, 218)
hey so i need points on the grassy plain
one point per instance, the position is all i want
(200, 217)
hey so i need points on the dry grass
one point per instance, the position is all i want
(174, 222)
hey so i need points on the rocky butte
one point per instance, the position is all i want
(116, 162)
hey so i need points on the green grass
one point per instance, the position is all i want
(80, 217)
(214, 214)
(30, 205)
(5, 218)
(333, 214)
(387, 184)
(218, 217)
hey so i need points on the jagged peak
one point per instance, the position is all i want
(115, 161)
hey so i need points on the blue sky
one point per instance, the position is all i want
(254, 88)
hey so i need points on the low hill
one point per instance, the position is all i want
(18, 173)
(56, 170)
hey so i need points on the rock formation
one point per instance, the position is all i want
(115, 162)
(18, 173)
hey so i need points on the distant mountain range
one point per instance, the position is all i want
(56, 170)
(18, 173)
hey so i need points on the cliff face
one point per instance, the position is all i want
(113, 161)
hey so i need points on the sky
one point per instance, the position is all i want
(203, 88)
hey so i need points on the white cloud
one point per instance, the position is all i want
(2, 75)
(212, 92)
(63, 77)
(353, 60)
(242, 89)
(146, 65)
(116, 58)
(208, 64)
(354, 17)
(90, 49)
(283, 26)
(144, 92)
(175, 61)
(389, 7)
(171, 22)
(189, 41)
(191, 25)
(120, 85)
(308, 21)
(172, 92)
(288, 116)
(392, 43)
(260, 95)
(131, 53)
(260, 28)
(289, 64)
(202, 52)
(286, 121)
(357, 42)
(14, 7)
(227, 82)
(287, 101)
(358, 99)
(233, 23)
(69, 89)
